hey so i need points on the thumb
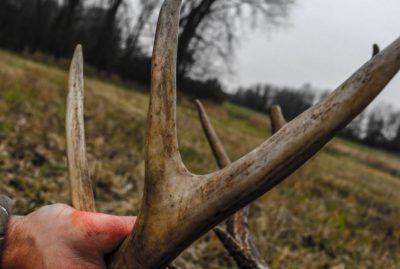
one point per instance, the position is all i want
(103, 232)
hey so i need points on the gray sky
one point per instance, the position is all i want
(324, 43)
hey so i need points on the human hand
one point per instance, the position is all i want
(61, 237)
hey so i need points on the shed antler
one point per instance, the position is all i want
(178, 206)
(236, 236)
(79, 178)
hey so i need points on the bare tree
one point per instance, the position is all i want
(179, 206)
(146, 9)
(62, 27)
(134, 58)
(215, 26)
(107, 45)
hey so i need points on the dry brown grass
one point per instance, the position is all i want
(335, 212)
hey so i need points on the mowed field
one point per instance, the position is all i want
(341, 210)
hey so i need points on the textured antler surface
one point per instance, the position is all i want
(236, 236)
(80, 184)
(178, 207)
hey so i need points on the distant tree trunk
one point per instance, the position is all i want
(376, 125)
(213, 25)
(132, 42)
(62, 28)
(396, 141)
(36, 26)
(104, 52)
(133, 60)
(190, 24)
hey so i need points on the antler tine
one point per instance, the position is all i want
(375, 50)
(152, 246)
(218, 149)
(277, 118)
(162, 152)
(237, 224)
(80, 184)
(236, 237)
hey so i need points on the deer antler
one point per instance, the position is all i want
(277, 118)
(178, 206)
(236, 237)
(80, 184)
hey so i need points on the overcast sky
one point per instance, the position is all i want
(324, 43)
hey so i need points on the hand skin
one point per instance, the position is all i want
(60, 237)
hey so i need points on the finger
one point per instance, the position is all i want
(103, 232)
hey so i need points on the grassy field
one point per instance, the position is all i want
(340, 211)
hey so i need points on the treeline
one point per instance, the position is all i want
(377, 127)
(117, 34)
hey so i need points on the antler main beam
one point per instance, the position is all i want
(178, 207)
